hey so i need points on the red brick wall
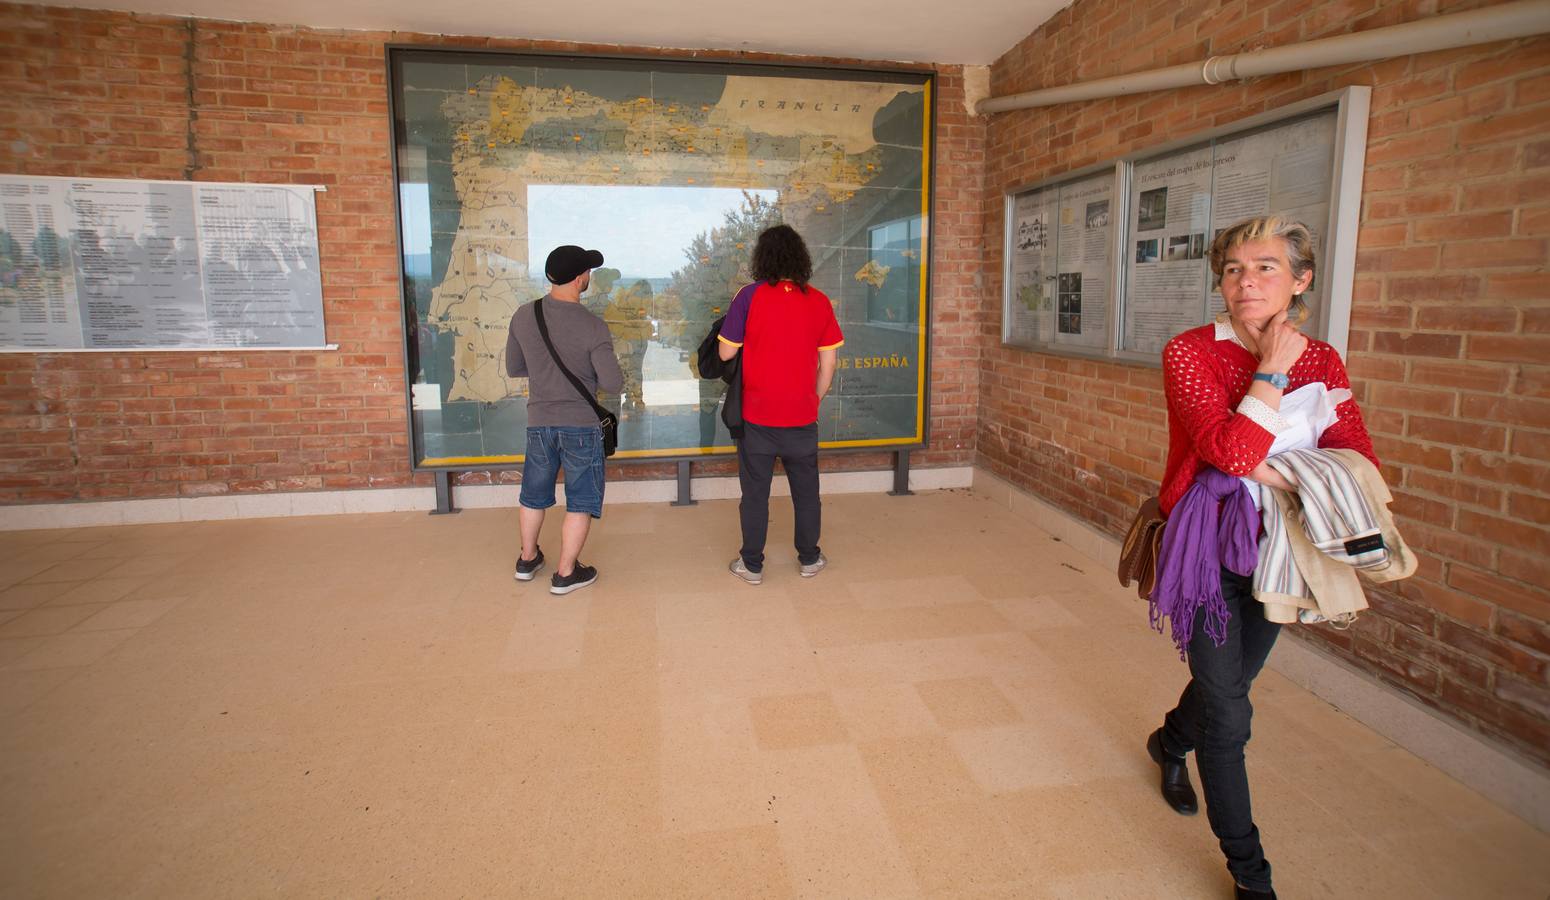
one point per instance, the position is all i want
(115, 95)
(1450, 331)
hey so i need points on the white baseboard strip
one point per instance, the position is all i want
(380, 500)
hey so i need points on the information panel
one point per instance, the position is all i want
(106, 264)
(1061, 265)
(1113, 260)
(671, 169)
(1180, 201)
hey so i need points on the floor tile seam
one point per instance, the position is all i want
(76, 673)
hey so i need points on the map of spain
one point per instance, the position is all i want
(508, 132)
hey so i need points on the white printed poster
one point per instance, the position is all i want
(1285, 170)
(1060, 265)
(1181, 201)
(108, 264)
(1084, 265)
(1170, 203)
(1030, 307)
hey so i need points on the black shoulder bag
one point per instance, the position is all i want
(607, 421)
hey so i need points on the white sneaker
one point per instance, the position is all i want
(740, 569)
(813, 568)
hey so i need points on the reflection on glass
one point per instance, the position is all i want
(893, 272)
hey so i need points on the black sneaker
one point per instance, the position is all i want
(527, 568)
(580, 577)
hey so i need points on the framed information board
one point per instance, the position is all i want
(1060, 264)
(111, 264)
(1156, 220)
(670, 168)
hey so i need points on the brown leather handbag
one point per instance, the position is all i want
(1138, 555)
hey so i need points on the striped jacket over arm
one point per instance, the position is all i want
(1318, 539)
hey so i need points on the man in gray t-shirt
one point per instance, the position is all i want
(562, 429)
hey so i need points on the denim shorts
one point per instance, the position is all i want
(576, 449)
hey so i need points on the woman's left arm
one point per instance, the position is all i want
(1349, 431)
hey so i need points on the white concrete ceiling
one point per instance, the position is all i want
(956, 31)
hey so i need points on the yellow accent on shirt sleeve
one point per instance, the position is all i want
(725, 341)
(833, 346)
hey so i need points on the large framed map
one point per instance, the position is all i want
(671, 168)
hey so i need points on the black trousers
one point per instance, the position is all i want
(1212, 719)
(797, 449)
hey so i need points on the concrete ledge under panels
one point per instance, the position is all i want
(1494, 772)
(334, 503)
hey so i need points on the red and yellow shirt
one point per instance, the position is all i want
(781, 327)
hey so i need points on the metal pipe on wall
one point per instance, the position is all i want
(1506, 21)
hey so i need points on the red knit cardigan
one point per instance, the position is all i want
(1205, 379)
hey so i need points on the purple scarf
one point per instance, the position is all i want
(1214, 526)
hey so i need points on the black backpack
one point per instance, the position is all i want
(709, 364)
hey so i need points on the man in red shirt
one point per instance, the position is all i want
(787, 334)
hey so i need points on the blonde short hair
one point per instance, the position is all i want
(1299, 251)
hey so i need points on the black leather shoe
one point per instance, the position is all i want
(1243, 893)
(1176, 788)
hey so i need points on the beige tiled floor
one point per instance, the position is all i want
(369, 705)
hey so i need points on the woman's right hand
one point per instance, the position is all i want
(1280, 345)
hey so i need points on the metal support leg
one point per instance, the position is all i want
(901, 474)
(683, 485)
(444, 495)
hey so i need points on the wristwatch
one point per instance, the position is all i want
(1278, 380)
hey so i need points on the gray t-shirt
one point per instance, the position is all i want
(584, 344)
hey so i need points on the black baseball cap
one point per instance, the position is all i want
(565, 264)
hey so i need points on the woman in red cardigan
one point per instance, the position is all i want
(1224, 384)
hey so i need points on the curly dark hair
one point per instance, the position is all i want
(781, 255)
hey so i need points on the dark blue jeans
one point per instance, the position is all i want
(797, 449)
(1212, 719)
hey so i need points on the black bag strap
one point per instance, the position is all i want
(543, 332)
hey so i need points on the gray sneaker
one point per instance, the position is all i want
(740, 569)
(813, 568)
(579, 577)
(527, 568)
